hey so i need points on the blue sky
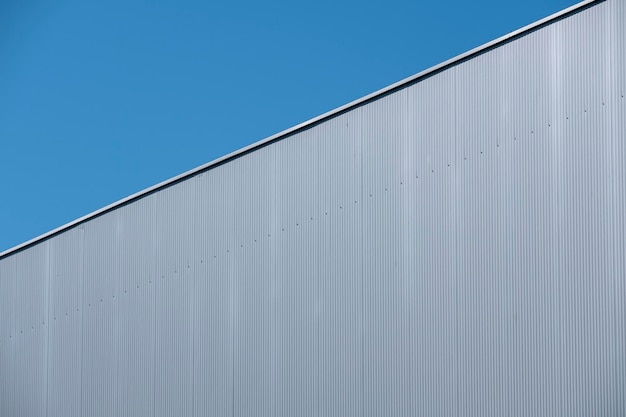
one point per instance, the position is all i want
(99, 100)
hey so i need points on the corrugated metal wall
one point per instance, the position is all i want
(456, 247)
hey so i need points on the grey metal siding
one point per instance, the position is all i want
(454, 247)
(65, 342)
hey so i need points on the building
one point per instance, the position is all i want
(452, 245)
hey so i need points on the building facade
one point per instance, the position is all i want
(452, 245)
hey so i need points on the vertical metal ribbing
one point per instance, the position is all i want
(615, 23)
(29, 359)
(46, 317)
(454, 246)
(7, 326)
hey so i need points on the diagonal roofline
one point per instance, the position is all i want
(314, 121)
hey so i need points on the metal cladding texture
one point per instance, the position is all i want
(454, 247)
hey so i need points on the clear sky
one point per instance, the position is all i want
(99, 100)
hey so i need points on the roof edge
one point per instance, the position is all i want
(309, 123)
